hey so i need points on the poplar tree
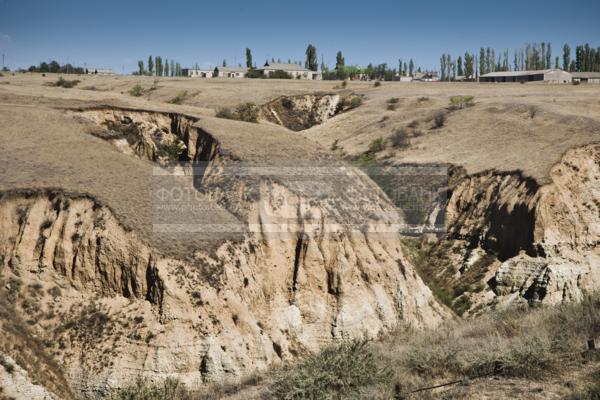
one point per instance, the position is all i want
(339, 65)
(311, 58)
(411, 67)
(459, 64)
(173, 67)
(443, 66)
(482, 70)
(166, 67)
(150, 65)
(248, 58)
(141, 67)
(566, 57)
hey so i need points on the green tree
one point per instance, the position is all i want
(578, 58)
(482, 70)
(248, 58)
(150, 65)
(443, 66)
(311, 58)
(469, 66)
(340, 65)
(224, 64)
(141, 67)
(166, 67)
(411, 67)
(173, 67)
(400, 66)
(459, 65)
(548, 55)
(54, 66)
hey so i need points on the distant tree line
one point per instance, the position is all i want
(54, 67)
(532, 56)
(157, 67)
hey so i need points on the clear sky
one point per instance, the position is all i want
(115, 34)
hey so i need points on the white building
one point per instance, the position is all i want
(198, 73)
(586, 77)
(98, 71)
(295, 71)
(230, 72)
(544, 75)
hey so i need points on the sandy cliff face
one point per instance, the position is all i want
(109, 308)
(545, 238)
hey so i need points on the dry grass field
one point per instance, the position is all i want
(526, 127)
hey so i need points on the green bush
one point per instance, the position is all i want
(377, 84)
(377, 145)
(344, 84)
(336, 372)
(136, 91)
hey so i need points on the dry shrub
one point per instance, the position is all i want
(247, 112)
(400, 138)
(439, 119)
(335, 372)
(64, 83)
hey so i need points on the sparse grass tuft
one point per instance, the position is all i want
(169, 389)
(377, 145)
(377, 84)
(179, 99)
(532, 112)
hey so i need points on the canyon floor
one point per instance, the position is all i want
(320, 215)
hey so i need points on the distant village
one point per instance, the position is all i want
(532, 63)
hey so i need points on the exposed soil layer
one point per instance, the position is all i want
(301, 112)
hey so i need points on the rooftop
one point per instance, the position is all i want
(592, 75)
(284, 67)
(232, 69)
(519, 73)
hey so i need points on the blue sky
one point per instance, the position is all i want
(115, 34)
